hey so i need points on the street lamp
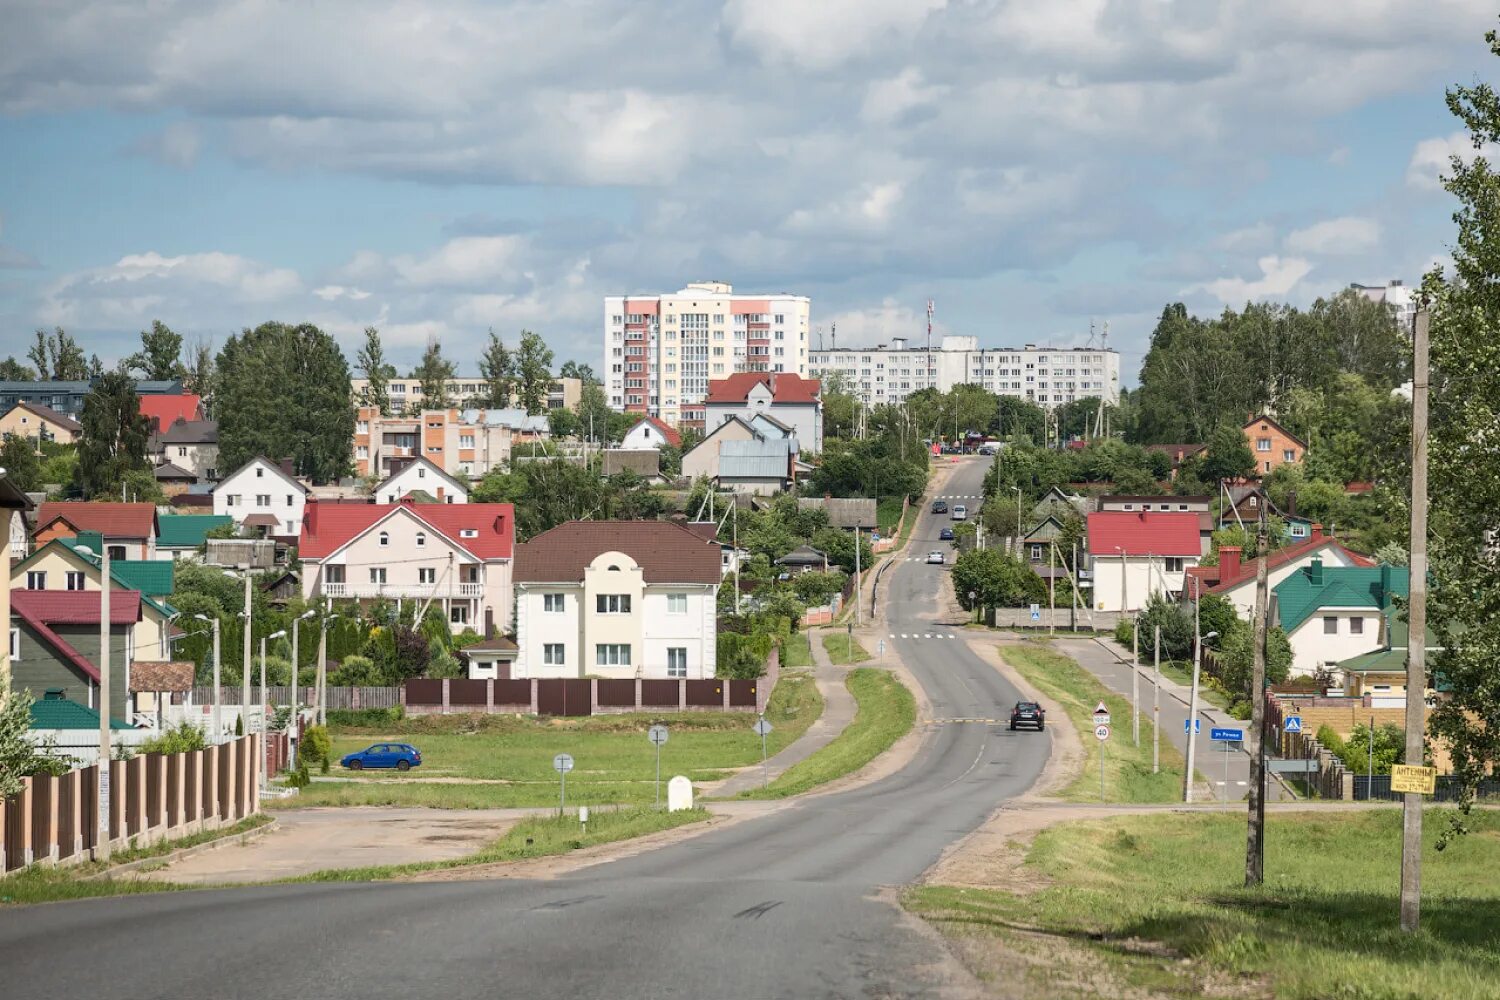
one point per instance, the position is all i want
(321, 694)
(218, 717)
(101, 850)
(1187, 785)
(245, 655)
(265, 716)
(295, 633)
(1124, 599)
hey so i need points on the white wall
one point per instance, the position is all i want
(1243, 596)
(806, 420)
(644, 435)
(1142, 578)
(1312, 647)
(286, 502)
(418, 477)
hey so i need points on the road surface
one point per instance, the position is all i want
(781, 906)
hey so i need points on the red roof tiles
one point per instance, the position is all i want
(42, 609)
(164, 410)
(327, 527)
(1141, 533)
(786, 387)
(112, 520)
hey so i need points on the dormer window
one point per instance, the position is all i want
(385, 539)
(421, 473)
(468, 533)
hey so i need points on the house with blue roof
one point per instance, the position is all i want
(1333, 613)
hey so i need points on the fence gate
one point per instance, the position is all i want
(563, 696)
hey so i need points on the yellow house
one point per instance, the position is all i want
(1380, 675)
(39, 423)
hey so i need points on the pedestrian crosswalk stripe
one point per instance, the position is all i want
(945, 722)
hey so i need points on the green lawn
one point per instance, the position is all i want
(844, 649)
(885, 712)
(796, 652)
(1157, 903)
(1127, 768)
(505, 761)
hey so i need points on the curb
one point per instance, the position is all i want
(233, 839)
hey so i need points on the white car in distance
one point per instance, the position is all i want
(936, 557)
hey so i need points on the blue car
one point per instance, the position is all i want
(401, 756)
(946, 534)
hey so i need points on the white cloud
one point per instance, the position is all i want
(1278, 276)
(332, 293)
(177, 145)
(465, 262)
(1345, 236)
(1432, 159)
(889, 99)
(877, 325)
(824, 34)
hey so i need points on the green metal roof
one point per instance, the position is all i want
(1315, 587)
(152, 577)
(61, 713)
(181, 531)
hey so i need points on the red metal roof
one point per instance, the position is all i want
(165, 410)
(1140, 533)
(112, 520)
(327, 527)
(786, 387)
(1208, 577)
(41, 609)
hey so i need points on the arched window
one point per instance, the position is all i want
(385, 539)
(614, 569)
(421, 539)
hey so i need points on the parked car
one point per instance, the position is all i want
(946, 535)
(1028, 713)
(988, 449)
(401, 756)
(936, 557)
(940, 506)
(960, 512)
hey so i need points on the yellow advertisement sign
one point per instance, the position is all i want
(1410, 778)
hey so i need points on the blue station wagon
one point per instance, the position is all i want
(401, 756)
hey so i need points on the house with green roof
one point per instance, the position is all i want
(181, 536)
(1380, 674)
(1333, 613)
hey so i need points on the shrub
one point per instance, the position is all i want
(182, 738)
(317, 747)
(365, 718)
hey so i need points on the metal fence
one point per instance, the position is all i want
(338, 697)
(1378, 788)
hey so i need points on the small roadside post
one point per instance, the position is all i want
(763, 729)
(658, 736)
(583, 819)
(849, 645)
(880, 649)
(562, 764)
(1101, 733)
(1229, 741)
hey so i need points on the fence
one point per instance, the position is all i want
(1448, 787)
(54, 819)
(338, 697)
(824, 614)
(585, 695)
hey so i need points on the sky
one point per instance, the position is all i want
(450, 167)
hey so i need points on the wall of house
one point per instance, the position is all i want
(693, 630)
(805, 419)
(24, 423)
(285, 501)
(757, 487)
(135, 548)
(1271, 446)
(704, 460)
(643, 435)
(202, 460)
(150, 632)
(1143, 577)
(1312, 647)
(536, 627)
(39, 667)
(418, 477)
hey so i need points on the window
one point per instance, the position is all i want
(233, 500)
(1288, 455)
(334, 573)
(612, 654)
(259, 472)
(1356, 626)
(385, 539)
(421, 539)
(552, 654)
(676, 661)
(676, 604)
(15, 644)
(377, 574)
(36, 579)
(1174, 564)
(468, 533)
(426, 574)
(553, 603)
(459, 614)
(288, 499)
(75, 580)
(1036, 553)
(262, 499)
(1330, 625)
(421, 473)
(1262, 444)
(612, 604)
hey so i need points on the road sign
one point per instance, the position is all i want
(1036, 612)
(1411, 778)
(1101, 732)
(657, 735)
(1197, 726)
(880, 648)
(562, 763)
(762, 727)
(1101, 715)
(1232, 735)
(1292, 724)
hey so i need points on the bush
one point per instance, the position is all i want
(182, 738)
(365, 718)
(742, 656)
(356, 671)
(317, 748)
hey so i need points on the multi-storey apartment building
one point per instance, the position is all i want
(1396, 295)
(1047, 376)
(460, 442)
(661, 351)
(406, 393)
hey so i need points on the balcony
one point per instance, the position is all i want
(461, 591)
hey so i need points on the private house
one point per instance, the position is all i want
(54, 644)
(846, 513)
(617, 599)
(1178, 453)
(129, 529)
(1059, 504)
(418, 474)
(468, 442)
(651, 432)
(173, 481)
(454, 556)
(1136, 554)
(1199, 505)
(803, 559)
(39, 423)
(1234, 579)
(1272, 444)
(793, 401)
(165, 409)
(189, 445)
(71, 729)
(1379, 676)
(493, 658)
(59, 566)
(181, 536)
(702, 460)
(643, 462)
(1246, 505)
(14, 506)
(760, 467)
(1331, 614)
(263, 496)
(1040, 546)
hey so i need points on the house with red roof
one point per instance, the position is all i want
(795, 401)
(129, 529)
(166, 409)
(1234, 577)
(456, 557)
(1134, 554)
(652, 433)
(54, 642)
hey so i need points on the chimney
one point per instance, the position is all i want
(489, 622)
(1229, 562)
(287, 467)
(1315, 571)
(1316, 530)
(1384, 597)
(1291, 503)
(310, 516)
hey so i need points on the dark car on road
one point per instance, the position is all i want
(1028, 713)
(940, 506)
(401, 756)
(946, 534)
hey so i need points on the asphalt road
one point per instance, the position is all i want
(782, 906)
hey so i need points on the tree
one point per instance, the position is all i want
(283, 391)
(1228, 455)
(377, 372)
(112, 442)
(1019, 420)
(572, 369)
(435, 372)
(996, 579)
(840, 405)
(160, 356)
(57, 356)
(12, 370)
(533, 372)
(594, 414)
(198, 373)
(18, 459)
(497, 366)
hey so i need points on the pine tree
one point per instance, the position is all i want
(377, 372)
(112, 442)
(534, 372)
(497, 366)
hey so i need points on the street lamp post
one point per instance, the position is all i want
(1198, 641)
(218, 712)
(102, 847)
(265, 709)
(296, 632)
(1018, 520)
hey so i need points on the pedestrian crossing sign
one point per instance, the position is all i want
(1293, 724)
(1036, 612)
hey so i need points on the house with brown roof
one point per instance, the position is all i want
(54, 644)
(191, 445)
(619, 599)
(39, 423)
(794, 401)
(1273, 445)
(129, 529)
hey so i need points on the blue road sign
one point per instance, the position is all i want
(1197, 726)
(1292, 724)
(1232, 735)
(1036, 612)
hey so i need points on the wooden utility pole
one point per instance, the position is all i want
(1416, 650)
(1051, 590)
(1255, 836)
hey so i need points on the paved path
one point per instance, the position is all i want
(838, 712)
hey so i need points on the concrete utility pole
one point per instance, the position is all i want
(1255, 835)
(1018, 520)
(857, 580)
(102, 851)
(1135, 681)
(1192, 719)
(218, 717)
(1051, 590)
(321, 693)
(247, 661)
(1073, 583)
(1156, 706)
(296, 632)
(1416, 650)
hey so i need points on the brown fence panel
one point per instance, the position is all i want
(513, 693)
(705, 693)
(661, 694)
(156, 787)
(88, 787)
(67, 832)
(221, 759)
(466, 692)
(617, 693)
(424, 691)
(12, 833)
(564, 696)
(119, 797)
(43, 790)
(175, 765)
(742, 693)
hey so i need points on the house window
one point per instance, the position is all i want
(233, 500)
(676, 604)
(612, 654)
(74, 580)
(676, 661)
(262, 499)
(1289, 455)
(421, 539)
(612, 604)
(469, 533)
(385, 539)
(552, 654)
(1262, 444)
(182, 452)
(334, 573)
(1356, 626)
(421, 473)
(1174, 564)
(426, 574)
(1254, 502)
(1330, 625)
(259, 472)
(1128, 506)
(553, 603)
(15, 644)
(36, 579)
(288, 499)
(377, 574)
(1036, 553)
(117, 552)
(459, 614)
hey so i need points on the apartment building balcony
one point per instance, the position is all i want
(461, 591)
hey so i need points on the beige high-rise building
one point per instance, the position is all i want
(661, 351)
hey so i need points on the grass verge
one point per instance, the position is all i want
(796, 652)
(538, 837)
(844, 649)
(1155, 903)
(1127, 768)
(885, 712)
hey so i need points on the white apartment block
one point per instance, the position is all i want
(1396, 295)
(661, 351)
(1047, 376)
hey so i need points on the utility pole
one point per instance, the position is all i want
(1416, 650)
(735, 542)
(857, 579)
(1187, 777)
(102, 849)
(1255, 837)
(1051, 590)
(247, 663)
(1135, 681)
(321, 684)
(1156, 706)
(1073, 583)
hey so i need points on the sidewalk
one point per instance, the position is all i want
(838, 712)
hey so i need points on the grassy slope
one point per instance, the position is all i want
(839, 647)
(1128, 776)
(796, 652)
(1324, 925)
(885, 712)
(615, 763)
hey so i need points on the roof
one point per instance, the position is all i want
(1211, 581)
(1139, 533)
(12, 498)
(706, 530)
(50, 415)
(853, 512)
(421, 462)
(1263, 418)
(187, 530)
(803, 555)
(169, 471)
(1314, 587)
(666, 552)
(514, 418)
(1174, 450)
(786, 387)
(69, 545)
(327, 527)
(262, 521)
(667, 430)
(42, 609)
(167, 409)
(64, 713)
(273, 466)
(641, 461)
(152, 577)
(1147, 498)
(110, 519)
(495, 644)
(189, 431)
(782, 429)
(161, 675)
(754, 459)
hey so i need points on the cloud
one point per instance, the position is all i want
(890, 99)
(1278, 276)
(820, 36)
(877, 325)
(1432, 159)
(1345, 236)
(177, 145)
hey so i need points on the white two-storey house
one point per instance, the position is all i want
(264, 496)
